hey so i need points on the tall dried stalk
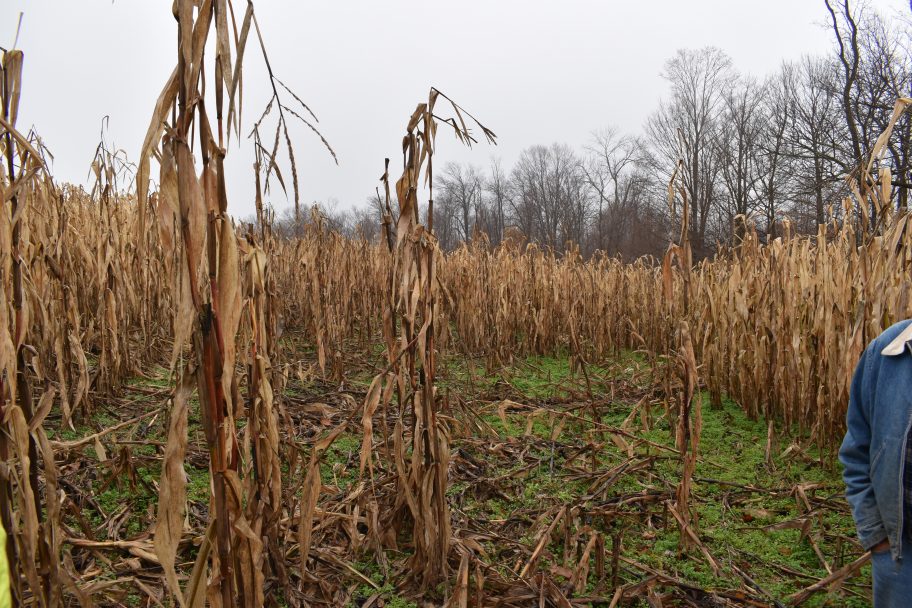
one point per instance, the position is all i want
(688, 416)
(22, 549)
(244, 503)
(32, 322)
(264, 479)
(413, 302)
(873, 196)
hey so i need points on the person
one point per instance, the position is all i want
(877, 458)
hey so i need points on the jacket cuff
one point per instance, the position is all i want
(871, 539)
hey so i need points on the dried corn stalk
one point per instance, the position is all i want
(208, 312)
(874, 195)
(32, 521)
(413, 302)
(688, 415)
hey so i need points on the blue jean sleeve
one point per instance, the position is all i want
(855, 455)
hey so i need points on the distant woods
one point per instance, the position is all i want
(765, 154)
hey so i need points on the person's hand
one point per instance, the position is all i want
(881, 547)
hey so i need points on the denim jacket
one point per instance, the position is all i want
(873, 451)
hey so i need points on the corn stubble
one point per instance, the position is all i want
(97, 288)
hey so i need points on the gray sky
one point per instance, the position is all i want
(534, 71)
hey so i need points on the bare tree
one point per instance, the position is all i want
(777, 113)
(611, 157)
(885, 74)
(497, 189)
(844, 23)
(737, 145)
(815, 140)
(445, 228)
(551, 198)
(685, 128)
(363, 223)
(460, 198)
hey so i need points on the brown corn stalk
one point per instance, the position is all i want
(413, 300)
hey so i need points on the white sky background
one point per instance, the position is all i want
(534, 71)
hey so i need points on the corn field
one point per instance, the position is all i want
(105, 287)
(777, 327)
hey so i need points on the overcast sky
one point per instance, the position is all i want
(534, 71)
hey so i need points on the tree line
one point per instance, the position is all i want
(767, 153)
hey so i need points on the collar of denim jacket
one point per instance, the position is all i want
(898, 345)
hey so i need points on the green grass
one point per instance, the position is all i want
(111, 487)
(157, 377)
(341, 462)
(732, 450)
(529, 474)
(384, 587)
(541, 377)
